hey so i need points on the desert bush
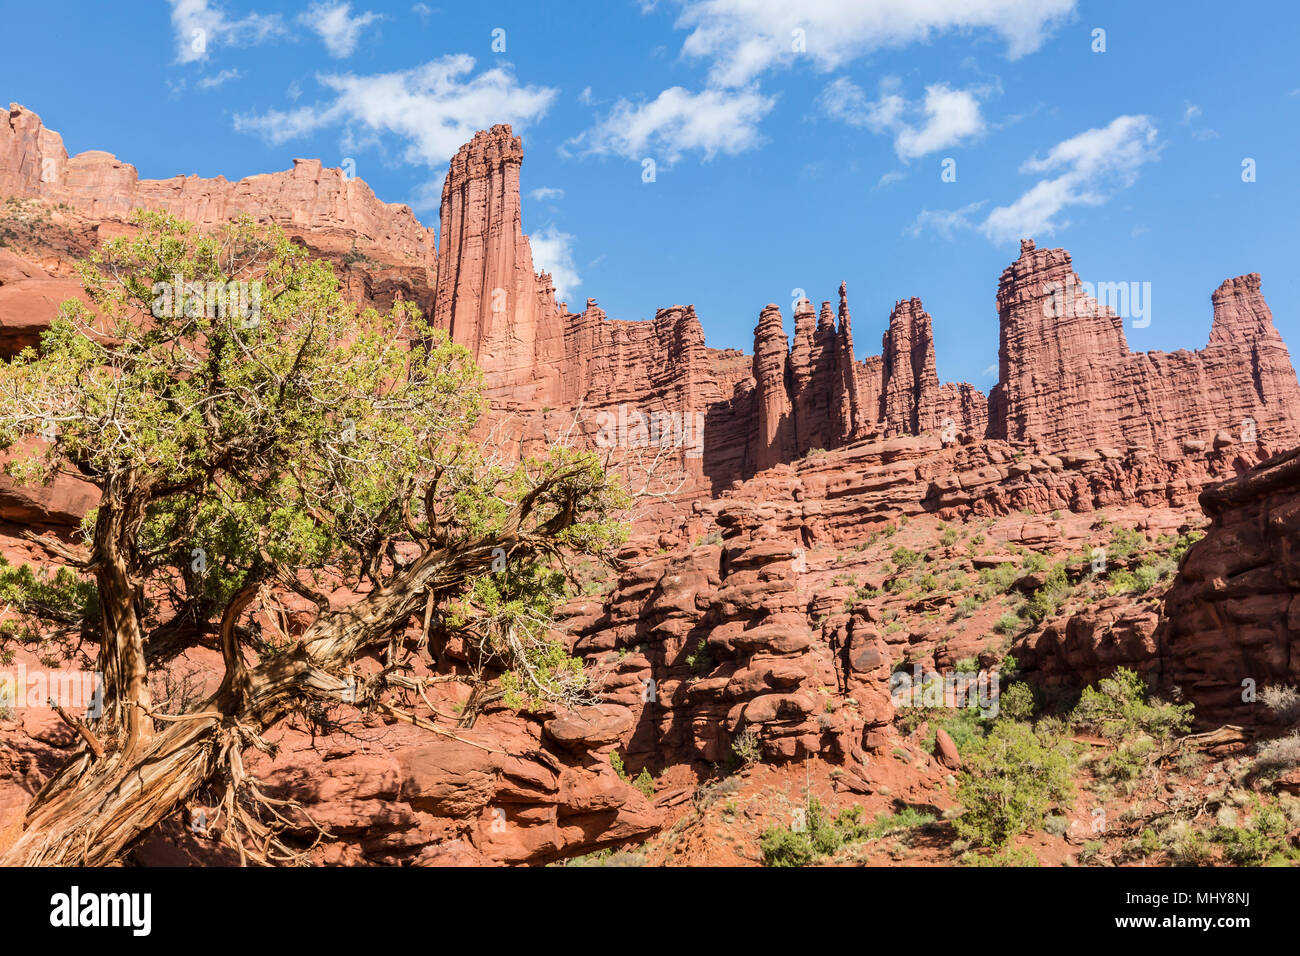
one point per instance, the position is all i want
(816, 837)
(747, 749)
(1281, 754)
(1262, 839)
(1017, 702)
(905, 558)
(1018, 857)
(1119, 706)
(1043, 603)
(1010, 780)
(1125, 542)
(1283, 701)
(645, 783)
(1009, 623)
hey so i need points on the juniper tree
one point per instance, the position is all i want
(254, 434)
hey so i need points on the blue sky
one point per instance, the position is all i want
(794, 145)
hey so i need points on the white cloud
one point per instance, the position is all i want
(212, 82)
(422, 10)
(1203, 133)
(199, 26)
(744, 38)
(945, 222)
(553, 253)
(946, 116)
(334, 23)
(1090, 168)
(434, 108)
(546, 192)
(678, 121)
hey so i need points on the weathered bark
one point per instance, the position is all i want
(93, 810)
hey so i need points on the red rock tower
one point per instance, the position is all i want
(489, 297)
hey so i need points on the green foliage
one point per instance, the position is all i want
(608, 857)
(645, 783)
(998, 580)
(1125, 542)
(802, 844)
(1129, 760)
(1017, 702)
(1009, 623)
(1261, 840)
(905, 558)
(1008, 856)
(292, 438)
(1045, 600)
(1010, 780)
(746, 748)
(966, 607)
(1119, 707)
(700, 659)
(37, 596)
(1034, 562)
(819, 836)
(888, 824)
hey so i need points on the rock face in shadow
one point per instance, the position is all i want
(1232, 619)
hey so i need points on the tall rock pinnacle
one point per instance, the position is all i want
(489, 297)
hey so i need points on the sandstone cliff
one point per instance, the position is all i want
(1067, 375)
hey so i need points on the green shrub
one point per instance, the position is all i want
(998, 580)
(905, 558)
(1019, 856)
(700, 660)
(818, 837)
(746, 748)
(1010, 780)
(616, 762)
(645, 783)
(1008, 623)
(1263, 838)
(1125, 542)
(1119, 707)
(966, 607)
(1045, 601)
(1017, 702)
(1034, 562)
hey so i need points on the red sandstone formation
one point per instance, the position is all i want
(743, 613)
(773, 428)
(1232, 619)
(490, 299)
(911, 383)
(1068, 377)
(308, 198)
